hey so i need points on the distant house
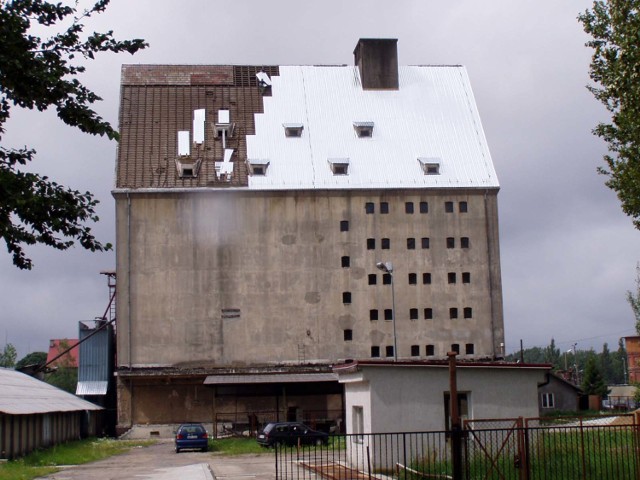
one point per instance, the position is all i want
(632, 345)
(558, 394)
(59, 345)
(34, 414)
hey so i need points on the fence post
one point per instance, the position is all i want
(456, 429)
(522, 450)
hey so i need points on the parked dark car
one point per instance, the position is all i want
(289, 433)
(191, 436)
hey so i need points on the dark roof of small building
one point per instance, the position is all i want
(354, 366)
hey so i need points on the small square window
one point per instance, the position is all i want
(386, 244)
(451, 242)
(363, 129)
(373, 314)
(344, 225)
(293, 129)
(258, 170)
(408, 207)
(426, 279)
(431, 350)
(386, 279)
(347, 334)
(464, 242)
(548, 401)
(346, 298)
(430, 166)
(411, 243)
(448, 207)
(455, 347)
(462, 207)
(469, 349)
(453, 313)
(425, 242)
(375, 351)
(413, 314)
(415, 350)
(424, 207)
(451, 277)
(389, 350)
(371, 243)
(388, 314)
(346, 262)
(413, 279)
(369, 207)
(384, 207)
(468, 312)
(373, 279)
(428, 313)
(466, 277)
(339, 166)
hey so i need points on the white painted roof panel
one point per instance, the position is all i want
(21, 394)
(433, 114)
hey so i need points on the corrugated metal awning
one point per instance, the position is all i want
(92, 388)
(270, 378)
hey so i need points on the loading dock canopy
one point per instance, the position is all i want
(270, 378)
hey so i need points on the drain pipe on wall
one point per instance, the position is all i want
(129, 276)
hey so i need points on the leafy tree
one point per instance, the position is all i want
(8, 356)
(33, 358)
(65, 375)
(592, 382)
(552, 355)
(39, 73)
(613, 26)
(634, 300)
(606, 365)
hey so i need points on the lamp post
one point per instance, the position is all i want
(387, 267)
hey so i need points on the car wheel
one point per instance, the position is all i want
(204, 449)
(177, 450)
(319, 442)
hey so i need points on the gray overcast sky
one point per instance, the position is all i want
(568, 252)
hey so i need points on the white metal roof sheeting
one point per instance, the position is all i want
(92, 387)
(21, 394)
(432, 114)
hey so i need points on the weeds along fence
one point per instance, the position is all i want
(506, 449)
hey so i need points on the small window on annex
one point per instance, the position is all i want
(408, 207)
(373, 279)
(548, 400)
(358, 420)
(464, 401)
(415, 350)
(347, 334)
(344, 225)
(428, 313)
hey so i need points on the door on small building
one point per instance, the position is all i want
(294, 414)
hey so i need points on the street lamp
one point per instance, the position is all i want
(387, 267)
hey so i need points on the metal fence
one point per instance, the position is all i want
(248, 423)
(514, 449)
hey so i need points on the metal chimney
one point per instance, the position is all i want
(377, 60)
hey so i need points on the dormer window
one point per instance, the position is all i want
(363, 129)
(293, 129)
(258, 166)
(187, 167)
(430, 166)
(339, 166)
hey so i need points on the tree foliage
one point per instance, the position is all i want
(592, 382)
(614, 27)
(33, 358)
(8, 356)
(41, 73)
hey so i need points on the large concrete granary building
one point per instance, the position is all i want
(253, 206)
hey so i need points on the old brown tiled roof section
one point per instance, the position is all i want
(157, 101)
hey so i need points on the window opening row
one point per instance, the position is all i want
(412, 277)
(425, 243)
(409, 207)
(427, 313)
(429, 351)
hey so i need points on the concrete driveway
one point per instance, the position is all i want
(160, 462)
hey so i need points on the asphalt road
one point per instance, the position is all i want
(160, 462)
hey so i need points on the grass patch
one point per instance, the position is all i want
(235, 446)
(45, 462)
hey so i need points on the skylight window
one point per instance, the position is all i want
(258, 166)
(430, 166)
(293, 129)
(339, 166)
(363, 129)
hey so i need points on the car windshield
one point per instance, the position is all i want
(192, 429)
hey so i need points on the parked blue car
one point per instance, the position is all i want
(192, 436)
